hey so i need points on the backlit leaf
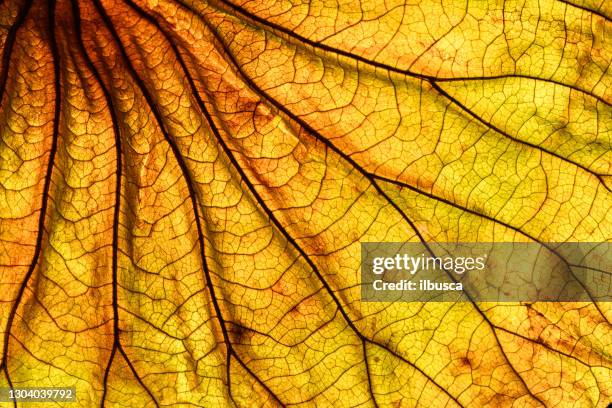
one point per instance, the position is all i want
(185, 184)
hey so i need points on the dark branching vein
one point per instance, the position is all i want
(300, 40)
(9, 44)
(402, 184)
(45, 192)
(192, 193)
(174, 149)
(367, 368)
(489, 125)
(548, 347)
(319, 327)
(588, 10)
(117, 209)
(523, 76)
(257, 196)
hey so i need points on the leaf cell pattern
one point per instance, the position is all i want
(184, 186)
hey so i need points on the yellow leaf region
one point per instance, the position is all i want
(185, 184)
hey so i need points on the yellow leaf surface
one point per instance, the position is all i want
(184, 187)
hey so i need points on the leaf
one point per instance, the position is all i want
(184, 187)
